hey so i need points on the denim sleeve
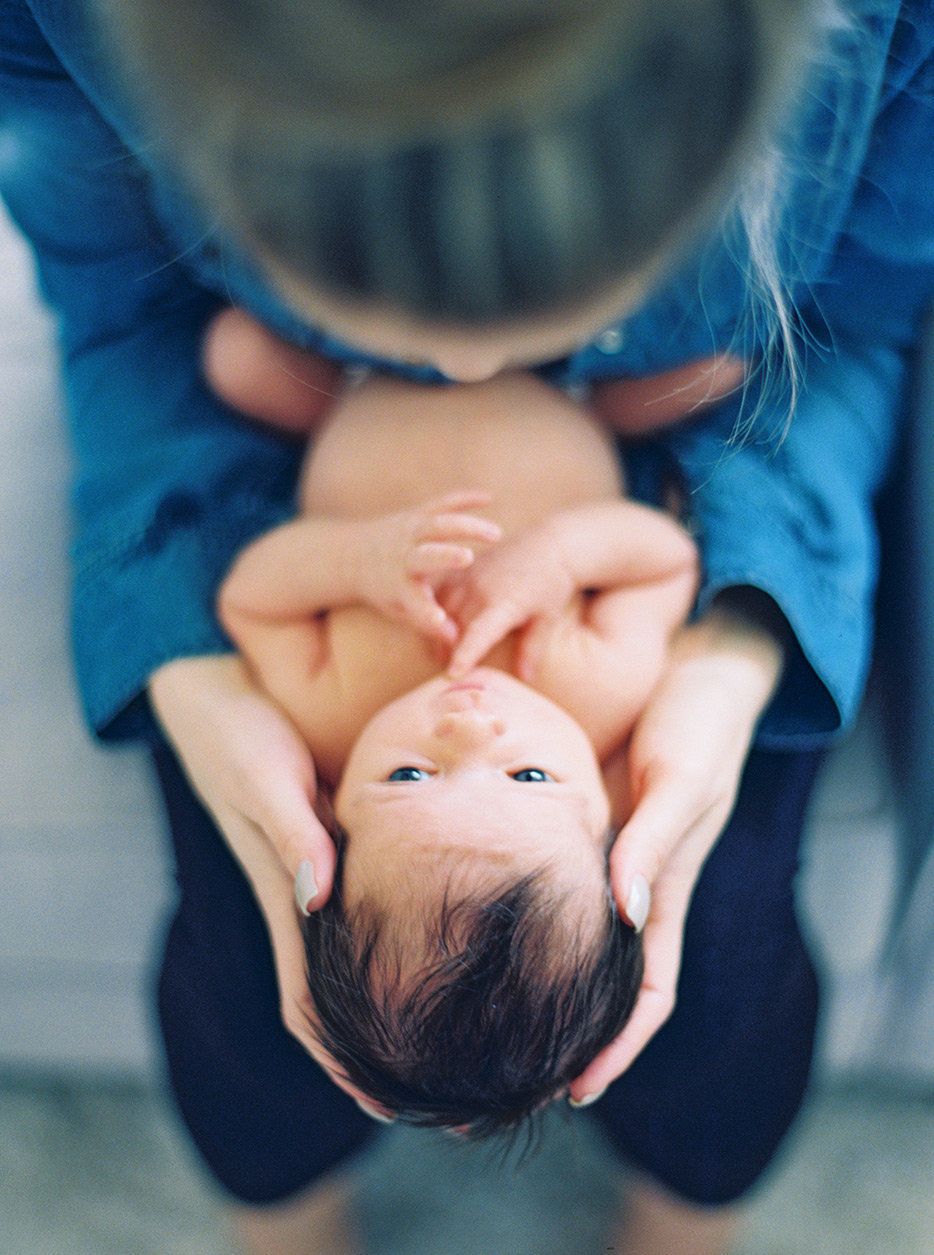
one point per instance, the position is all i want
(795, 516)
(787, 508)
(168, 484)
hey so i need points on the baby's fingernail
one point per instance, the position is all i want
(587, 1099)
(638, 903)
(374, 1112)
(306, 887)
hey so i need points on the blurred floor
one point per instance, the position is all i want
(101, 1169)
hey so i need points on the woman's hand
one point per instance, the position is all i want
(265, 377)
(246, 762)
(686, 757)
(255, 775)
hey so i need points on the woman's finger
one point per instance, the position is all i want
(662, 942)
(664, 812)
(651, 1011)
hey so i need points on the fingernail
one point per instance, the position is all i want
(374, 1112)
(638, 903)
(306, 887)
(587, 1099)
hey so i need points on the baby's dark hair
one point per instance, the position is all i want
(519, 990)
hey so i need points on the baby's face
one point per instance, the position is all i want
(480, 771)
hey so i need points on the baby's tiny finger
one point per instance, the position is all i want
(455, 526)
(425, 616)
(479, 637)
(434, 557)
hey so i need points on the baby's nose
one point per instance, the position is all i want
(470, 727)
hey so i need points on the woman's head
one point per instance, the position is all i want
(471, 961)
(464, 162)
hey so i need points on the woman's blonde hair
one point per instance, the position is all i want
(463, 160)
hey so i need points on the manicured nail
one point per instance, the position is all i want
(638, 903)
(374, 1112)
(306, 887)
(587, 1099)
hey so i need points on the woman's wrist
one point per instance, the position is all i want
(745, 632)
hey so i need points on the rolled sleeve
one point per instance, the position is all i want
(168, 483)
(789, 510)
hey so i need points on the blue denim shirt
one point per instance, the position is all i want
(170, 485)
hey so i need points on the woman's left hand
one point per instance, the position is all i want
(686, 758)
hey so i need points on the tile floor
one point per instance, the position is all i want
(101, 1169)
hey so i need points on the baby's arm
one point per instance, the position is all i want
(600, 547)
(270, 602)
(266, 378)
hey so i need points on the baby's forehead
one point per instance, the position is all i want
(425, 867)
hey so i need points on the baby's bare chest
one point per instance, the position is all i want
(531, 458)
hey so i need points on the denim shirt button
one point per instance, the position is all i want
(611, 340)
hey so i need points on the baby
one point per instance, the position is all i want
(462, 628)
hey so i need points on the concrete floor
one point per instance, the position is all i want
(101, 1169)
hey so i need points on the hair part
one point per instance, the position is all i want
(507, 1000)
(463, 162)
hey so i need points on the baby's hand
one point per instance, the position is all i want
(407, 555)
(523, 583)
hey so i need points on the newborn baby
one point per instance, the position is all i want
(464, 622)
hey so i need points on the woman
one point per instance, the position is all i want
(659, 201)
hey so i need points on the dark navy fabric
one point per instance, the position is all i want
(707, 1104)
(702, 1110)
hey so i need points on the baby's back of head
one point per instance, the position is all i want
(472, 1006)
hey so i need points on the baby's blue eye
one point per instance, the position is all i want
(533, 775)
(406, 774)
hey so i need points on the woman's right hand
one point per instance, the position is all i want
(256, 776)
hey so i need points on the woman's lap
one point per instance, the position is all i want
(702, 1110)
